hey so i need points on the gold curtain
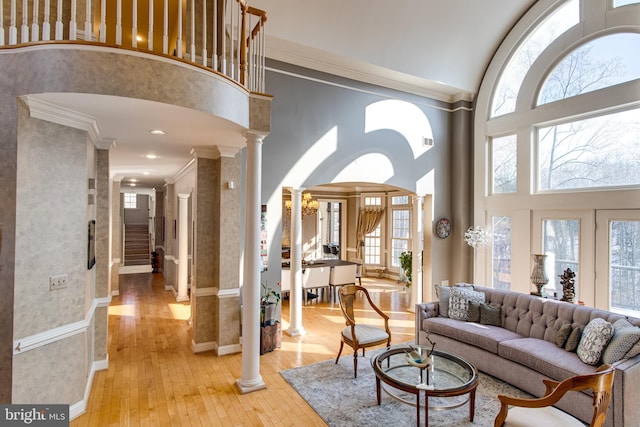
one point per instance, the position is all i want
(368, 220)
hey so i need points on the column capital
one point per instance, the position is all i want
(254, 136)
(184, 196)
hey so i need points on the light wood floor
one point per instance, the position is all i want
(154, 379)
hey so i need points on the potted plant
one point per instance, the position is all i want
(268, 303)
(405, 263)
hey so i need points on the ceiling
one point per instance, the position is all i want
(431, 47)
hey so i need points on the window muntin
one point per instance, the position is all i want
(595, 65)
(503, 159)
(504, 99)
(130, 201)
(501, 249)
(400, 232)
(372, 246)
(591, 153)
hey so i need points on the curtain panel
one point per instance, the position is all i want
(368, 220)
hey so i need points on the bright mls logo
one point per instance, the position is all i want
(34, 415)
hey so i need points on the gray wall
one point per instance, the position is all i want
(307, 104)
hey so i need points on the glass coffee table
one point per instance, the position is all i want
(449, 378)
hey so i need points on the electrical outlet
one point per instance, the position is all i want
(445, 283)
(57, 282)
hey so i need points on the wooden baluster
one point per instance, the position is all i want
(46, 25)
(134, 24)
(1, 23)
(150, 34)
(13, 30)
(119, 23)
(24, 30)
(165, 29)
(35, 27)
(223, 41)
(192, 49)
(103, 21)
(88, 26)
(204, 33)
(231, 71)
(59, 23)
(73, 25)
(179, 45)
(242, 48)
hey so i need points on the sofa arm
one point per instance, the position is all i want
(424, 311)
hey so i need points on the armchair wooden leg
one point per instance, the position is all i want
(340, 351)
(355, 364)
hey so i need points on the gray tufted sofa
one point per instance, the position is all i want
(523, 350)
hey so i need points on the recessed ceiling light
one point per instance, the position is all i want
(151, 156)
(133, 184)
(133, 180)
(157, 132)
(145, 173)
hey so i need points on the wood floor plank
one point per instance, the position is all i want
(154, 379)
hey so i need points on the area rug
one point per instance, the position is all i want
(341, 400)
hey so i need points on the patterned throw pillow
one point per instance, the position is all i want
(595, 337)
(625, 336)
(459, 302)
(563, 334)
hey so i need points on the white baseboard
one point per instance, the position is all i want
(80, 407)
(203, 346)
(229, 349)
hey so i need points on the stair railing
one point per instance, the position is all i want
(231, 30)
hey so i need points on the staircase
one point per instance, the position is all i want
(136, 245)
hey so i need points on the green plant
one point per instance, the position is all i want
(269, 295)
(405, 263)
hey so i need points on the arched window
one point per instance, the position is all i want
(556, 152)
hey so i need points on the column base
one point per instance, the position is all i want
(249, 386)
(295, 332)
(182, 298)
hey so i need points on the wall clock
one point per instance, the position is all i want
(443, 228)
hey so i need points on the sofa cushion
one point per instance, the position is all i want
(595, 337)
(459, 302)
(574, 339)
(563, 334)
(625, 336)
(490, 315)
(544, 357)
(482, 336)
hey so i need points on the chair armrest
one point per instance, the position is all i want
(425, 310)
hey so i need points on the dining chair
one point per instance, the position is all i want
(342, 275)
(541, 412)
(357, 334)
(359, 269)
(316, 279)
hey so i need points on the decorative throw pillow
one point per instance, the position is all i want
(443, 298)
(473, 313)
(574, 339)
(459, 301)
(595, 337)
(563, 334)
(625, 336)
(490, 314)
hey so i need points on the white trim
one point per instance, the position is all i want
(202, 347)
(80, 407)
(229, 293)
(171, 258)
(229, 349)
(40, 339)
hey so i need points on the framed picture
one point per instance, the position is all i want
(92, 245)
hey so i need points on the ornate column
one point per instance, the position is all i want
(183, 248)
(295, 299)
(251, 379)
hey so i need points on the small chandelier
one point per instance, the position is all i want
(309, 206)
(476, 237)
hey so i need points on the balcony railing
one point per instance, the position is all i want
(225, 36)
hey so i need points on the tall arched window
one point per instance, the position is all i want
(556, 149)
